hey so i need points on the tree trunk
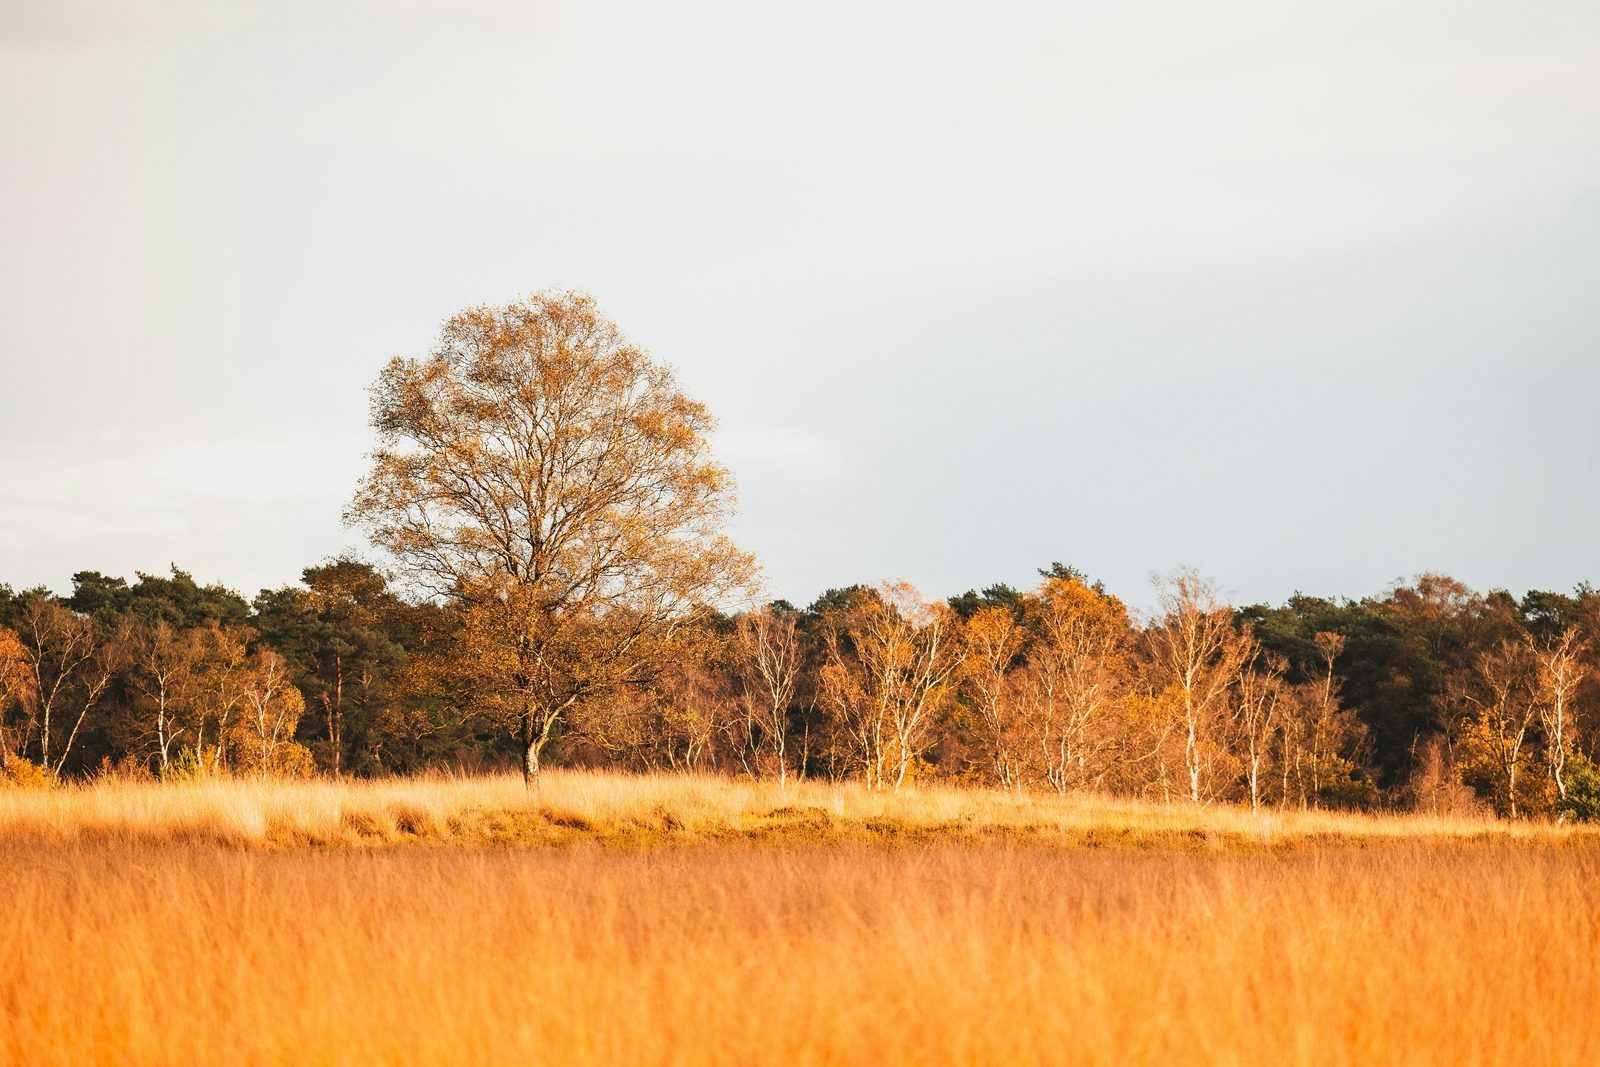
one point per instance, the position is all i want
(162, 740)
(530, 763)
(1191, 758)
(336, 716)
(530, 750)
(1511, 785)
(905, 765)
(533, 739)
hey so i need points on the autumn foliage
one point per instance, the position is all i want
(556, 581)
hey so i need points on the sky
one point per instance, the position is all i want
(1302, 295)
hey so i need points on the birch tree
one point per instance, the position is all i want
(1196, 653)
(272, 707)
(993, 640)
(769, 659)
(1076, 668)
(890, 657)
(70, 668)
(546, 475)
(1560, 667)
(164, 662)
(1502, 709)
(218, 691)
(1320, 740)
(1258, 714)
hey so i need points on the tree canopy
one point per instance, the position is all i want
(557, 483)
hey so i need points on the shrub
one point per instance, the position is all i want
(1350, 791)
(18, 773)
(192, 766)
(1582, 802)
(127, 769)
(286, 760)
(1436, 788)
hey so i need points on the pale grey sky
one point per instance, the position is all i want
(1301, 294)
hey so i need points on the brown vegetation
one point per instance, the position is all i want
(136, 930)
(574, 807)
(564, 592)
(557, 484)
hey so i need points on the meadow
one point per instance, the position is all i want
(627, 920)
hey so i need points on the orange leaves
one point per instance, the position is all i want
(993, 638)
(890, 659)
(17, 686)
(15, 680)
(555, 482)
(1196, 655)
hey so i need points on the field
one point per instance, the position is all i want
(619, 920)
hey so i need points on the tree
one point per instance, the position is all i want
(549, 477)
(999, 595)
(178, 600)
(1435, 630)
(1059, 571)
(1196, 654)
(890, 656)
(1502, 710)
(1075, 670)
(1400, 657)
(1257, 714)
(1320, 741)
(993, 640)
(431, 709)
(338, 634)
(220, 686)
(1559, 670)
(71, 667)
(679, 720)
(164, 664)
(272, 709)
(16, 689)
(695, 694)
(768, 656)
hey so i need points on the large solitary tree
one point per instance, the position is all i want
(556, 484)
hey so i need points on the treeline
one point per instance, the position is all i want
(549, 496)
(1429, 696)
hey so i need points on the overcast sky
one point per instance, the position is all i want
(1306, 295)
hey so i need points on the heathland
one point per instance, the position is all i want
(1027, 825)
(682, 920)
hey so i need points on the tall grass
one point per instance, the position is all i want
(573, 806)
(260, 923)
(143, 953)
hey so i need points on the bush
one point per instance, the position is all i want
(1582, 802)
(18, 773)
(1436, 788)
(127, 769)
(1351, 791)
(192, 766)
(287, 760)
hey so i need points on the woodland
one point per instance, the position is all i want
(552, 583)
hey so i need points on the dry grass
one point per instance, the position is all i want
(570, 807)
(842, 954)
(149, 925)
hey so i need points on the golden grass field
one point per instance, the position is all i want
(606, 919)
